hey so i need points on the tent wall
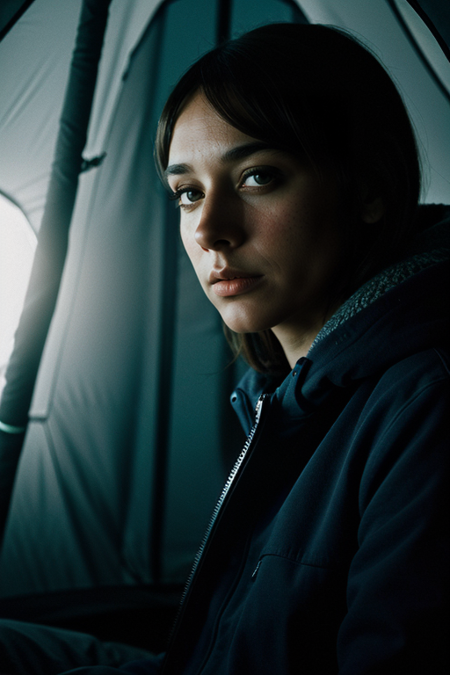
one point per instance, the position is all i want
(125, 452)
(34, 79)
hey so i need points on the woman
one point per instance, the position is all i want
(291, 157)
(293, 162)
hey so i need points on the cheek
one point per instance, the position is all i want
(192, 249)
(267, 225)
(300, 235)
(188, 241)
(280, 230)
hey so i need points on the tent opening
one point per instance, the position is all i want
(17, 246)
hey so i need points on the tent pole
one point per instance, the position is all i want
(164, 372)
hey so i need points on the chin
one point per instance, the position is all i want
(245, 324)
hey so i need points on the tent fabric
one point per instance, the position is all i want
(376, 24)
(35, 57)
(130, 432)
(436, 15)
(10, 13)
(53, 235)
(412, 24)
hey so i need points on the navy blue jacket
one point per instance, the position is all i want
(328, 550)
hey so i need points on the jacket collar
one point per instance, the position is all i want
(398, 312)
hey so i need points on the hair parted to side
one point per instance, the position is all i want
(318, 93)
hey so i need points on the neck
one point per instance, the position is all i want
(295, 344)
(296, 339)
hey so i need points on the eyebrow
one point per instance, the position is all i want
(232, 155)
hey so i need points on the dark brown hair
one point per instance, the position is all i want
(315, 91)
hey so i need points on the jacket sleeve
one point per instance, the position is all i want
(398, 580)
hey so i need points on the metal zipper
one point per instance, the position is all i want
(234, 471)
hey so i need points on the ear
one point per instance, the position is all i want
(372, 208)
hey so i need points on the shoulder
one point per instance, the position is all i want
(411, 381)
(405, 427)
(430, 365)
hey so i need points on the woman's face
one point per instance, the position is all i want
(259, 226)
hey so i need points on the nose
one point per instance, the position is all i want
(221, 224)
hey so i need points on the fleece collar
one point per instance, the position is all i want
(428, 248)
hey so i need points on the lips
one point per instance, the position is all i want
(229, 282)
(228, 274)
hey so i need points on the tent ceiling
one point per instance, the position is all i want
(35, 59)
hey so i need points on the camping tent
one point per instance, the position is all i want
(109, 476)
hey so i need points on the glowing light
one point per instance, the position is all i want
(17, 246)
